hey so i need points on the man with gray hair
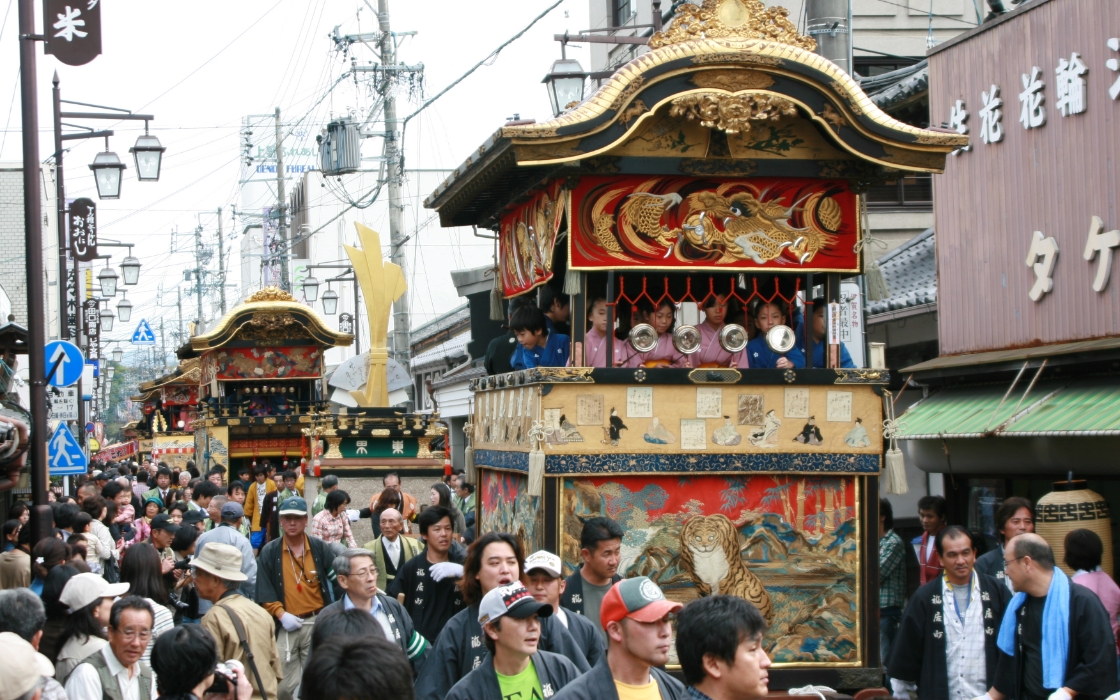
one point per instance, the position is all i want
(230, 514)
(1055, 642)
(23, 614)
(391, 550)
(357, 575)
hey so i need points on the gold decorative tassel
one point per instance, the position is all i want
(471, 474)
(877, 288)
(536, 458)
(571, 283)
(876, 284)
(894, 465)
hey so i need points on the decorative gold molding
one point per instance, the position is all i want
(731, 113)
(717, 167)
(425, 451)
(737, 57)
(332, 448)
(271, 294)
(635, 110)
(380, 432)
(732, 80)
(740, 19)
(629, 92)
(833, 117)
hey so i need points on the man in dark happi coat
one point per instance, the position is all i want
(946, 644)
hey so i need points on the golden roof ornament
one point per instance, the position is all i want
(735, 19)
(271, 294)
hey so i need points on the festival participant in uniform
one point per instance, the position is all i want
(711, 353)
(426, 585)
(515, 668)
(595, 340)
(664, 354)
(493, 560)
(820, 342)
(391, 550)
(766, 316)
(542, 578)
(946, 644)
(537, 345)
(635, 614)
(1056, 642)
(1015, 516)
(601, 549)
(719, 644)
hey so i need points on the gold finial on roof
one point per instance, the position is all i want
(272, 294)
(740, 19)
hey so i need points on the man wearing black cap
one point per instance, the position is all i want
(515, 668)
(294, 585)
(227, 533)
(163, 532)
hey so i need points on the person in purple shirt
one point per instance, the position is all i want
(536, 347)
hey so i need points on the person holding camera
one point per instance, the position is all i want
(186, 665)
(241, 628)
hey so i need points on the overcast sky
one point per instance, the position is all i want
(200, 66)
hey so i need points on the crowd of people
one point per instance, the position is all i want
(1005, 625)
(202, 595)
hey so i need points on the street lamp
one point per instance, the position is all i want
(330, 302)
(108, 279)
(118, 354)
(106, 317)
(311, 288)
(565, 84)
(149, 155)
(130, 270)
(124, 309)
(107, 170)
(110, 372)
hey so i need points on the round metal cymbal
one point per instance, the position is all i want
(643, 337)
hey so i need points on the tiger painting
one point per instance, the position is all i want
(710, 554)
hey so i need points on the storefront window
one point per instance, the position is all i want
(984, 497)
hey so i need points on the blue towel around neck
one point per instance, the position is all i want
(1055, 630)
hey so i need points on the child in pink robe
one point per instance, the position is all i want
(662, 321)
(711, 353)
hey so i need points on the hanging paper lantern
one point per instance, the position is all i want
(1071, 506)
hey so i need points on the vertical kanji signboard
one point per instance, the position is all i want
(73, 30)
(82, 224)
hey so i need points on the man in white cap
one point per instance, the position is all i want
(115, 672)
(218, 576)
(227, 533)
(24, 669)
(543, 579)
(635, 615)
(515, 668)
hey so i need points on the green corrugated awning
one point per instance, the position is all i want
(1080, 408)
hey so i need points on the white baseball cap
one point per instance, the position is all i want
(544, 560)
(514, 600)
(83, 589)
(23, 666)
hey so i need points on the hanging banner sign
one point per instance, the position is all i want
(81, 221)
(346, 323)
(92, 309)
(710, 224)
(527, 237)
(72, 30)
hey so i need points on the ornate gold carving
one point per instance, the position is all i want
(600, 164)
(743, 19)
(564, 373)
(627, 92)
(547, 151)
(931, 160)
(233, 421)
(717, 167)
(380, 432)
(952, 139)
(847, 169)
(732, 80)
(273, 325)
(270, 421)
(737, 57)
(425, 451)
(731, 113)
(636, 109)
(271, 294)
(714, 376)
(833, 117)
(332, 448)
(842, 89)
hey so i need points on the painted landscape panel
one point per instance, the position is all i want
(508, 507)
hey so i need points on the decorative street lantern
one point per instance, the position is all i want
(106, 317)
(118, 354)
(124, 309)
(130, 270)
(311, 288)
(148, 154)
(330, 302)
(565, 84)
(107, 170)
(108, 279)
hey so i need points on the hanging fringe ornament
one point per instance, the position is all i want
(496, 311)
(571, 282)
(876, 283)
(537, 435)
(894, 467)
(469, 471)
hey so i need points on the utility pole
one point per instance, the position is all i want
(221, 263)
(399, 350)
(163, 343)
(281, 227)
(179, 292)
(198, 274)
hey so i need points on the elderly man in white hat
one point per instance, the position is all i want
(24, 669)
(238, 625)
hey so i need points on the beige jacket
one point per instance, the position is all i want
(73, 653)
(15, 569)
(259, 629)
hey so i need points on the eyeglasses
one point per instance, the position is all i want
(1010, 561)
(133, 635)
(363, 573)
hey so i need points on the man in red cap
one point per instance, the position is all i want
(635, 615)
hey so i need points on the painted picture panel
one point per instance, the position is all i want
(789, 545)
(527, 237)
(506, 506)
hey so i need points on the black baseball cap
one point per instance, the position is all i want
(164, 522)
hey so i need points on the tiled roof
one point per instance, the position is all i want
(891, 89)
(440, 324)
(911, 275)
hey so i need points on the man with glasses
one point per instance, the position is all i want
(357, 575)
(1015, 516)
(116, 671)
(1056, 642)
(946, 644)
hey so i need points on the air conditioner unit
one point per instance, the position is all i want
(340, 148)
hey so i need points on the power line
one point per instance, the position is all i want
(932, 14)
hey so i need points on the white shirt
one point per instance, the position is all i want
(85, 684)
(563, 618)
(378, 614)
(964, 643)
(393, 549)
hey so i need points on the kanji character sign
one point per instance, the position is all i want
(1033, 114)
(1101, 241)
(1071, 85)
(1041, 258)
(73, 30)
(958, 117)
(991, 116)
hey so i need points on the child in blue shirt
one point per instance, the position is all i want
(766, 316)
(820, 343)
(536, 346)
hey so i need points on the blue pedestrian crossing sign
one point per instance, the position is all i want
(64, 454)
(64, 363)
(143, 334)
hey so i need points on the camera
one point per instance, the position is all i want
(225, 677)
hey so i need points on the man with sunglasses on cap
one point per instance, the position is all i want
(635, 615)
(515, 668)
(543, 579)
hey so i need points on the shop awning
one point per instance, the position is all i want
(1088, 407)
